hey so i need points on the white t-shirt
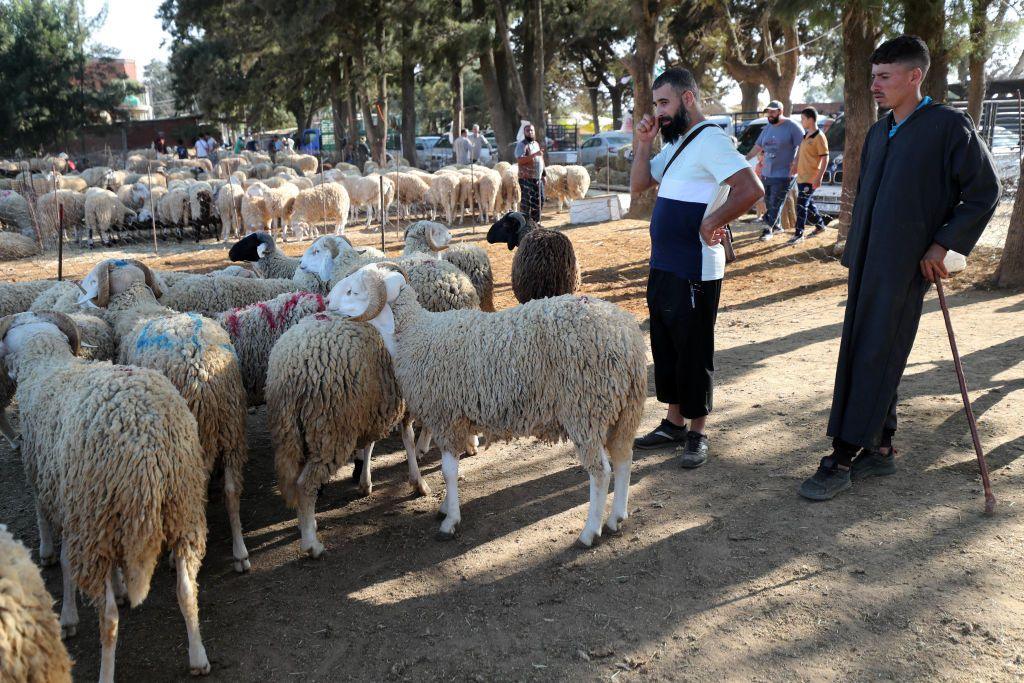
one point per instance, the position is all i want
(202, 149)
(692, 189)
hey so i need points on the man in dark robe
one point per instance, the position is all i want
(927, 185)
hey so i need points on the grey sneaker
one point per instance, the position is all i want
(766, 235)
(795, 239)
(828, 481)
(695, 452)
(778, 229)
(665, 434)
(872, 463)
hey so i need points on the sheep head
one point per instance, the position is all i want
(15, 329)
(318, 259)
(252, 247)
(363, 295)
(509, 229)
(113, 276)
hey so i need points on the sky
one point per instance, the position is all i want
(132, 28)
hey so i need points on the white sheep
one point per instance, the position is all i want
(569, 368)
(488, 190)
(30, 645)
(212, 295)
(113, 457)
(434, 240)
(195, 353)
(442, 195)
(255, 208)
(330, 390)
(325, 203)
(48, 214)
(228, 204)
(103, 211)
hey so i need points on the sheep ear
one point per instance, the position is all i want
(261, 250)
(393, 284)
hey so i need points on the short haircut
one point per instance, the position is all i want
(680, 79)
(463, 130)
(910, 51)
(810, 112)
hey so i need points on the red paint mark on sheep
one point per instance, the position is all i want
(268, 315)
(232, 321)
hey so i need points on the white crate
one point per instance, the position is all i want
(605, 207)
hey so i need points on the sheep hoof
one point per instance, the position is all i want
(68, 631)
(315, 550)
(242, 566)
(446, 535)
(200, 670)
(612, 527)
(366, 490)
(587, 539)
(421, 486)
(47, 560)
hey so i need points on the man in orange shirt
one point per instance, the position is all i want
(811, 162)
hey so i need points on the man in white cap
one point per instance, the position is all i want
(778, 141)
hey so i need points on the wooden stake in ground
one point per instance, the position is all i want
(60, 242)
(152, 204)
(990, 500)
(382, 245)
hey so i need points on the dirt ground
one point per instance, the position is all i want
(721, 573)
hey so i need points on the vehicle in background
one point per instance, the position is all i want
(608, 142)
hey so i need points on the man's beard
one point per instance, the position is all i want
(773, 119)
(528, 138)
(674, 127)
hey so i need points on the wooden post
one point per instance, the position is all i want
(382, 241)
(152, 204)
(60, 242)
(607, 172)
(30, 200)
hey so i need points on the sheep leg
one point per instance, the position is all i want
(409, 441)
(450, 505)
(365, 485)
(307, 517)
(423, 443)
(599, 481)
(47, 557)
(108, 632)
(188, 602)
(9, 432)
(620, 502)
(232, 500)
(120, 589)
(69, 598)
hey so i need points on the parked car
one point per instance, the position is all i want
(827, 197)
(608, 142)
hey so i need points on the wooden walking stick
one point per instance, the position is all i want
(990, 500)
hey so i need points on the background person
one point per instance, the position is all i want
(778, 141)
(530, 162)
(811, 162)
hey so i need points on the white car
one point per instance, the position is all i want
(608, 142)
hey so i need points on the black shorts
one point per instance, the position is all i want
(683, 314)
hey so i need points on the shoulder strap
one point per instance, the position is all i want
(687, 140)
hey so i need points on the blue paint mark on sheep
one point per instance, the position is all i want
(149, 338)
(120, 263)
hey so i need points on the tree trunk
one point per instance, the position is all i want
(749, 92)
(457, 102)
(339, 106)
(408, 100)
(533, 66)
(352, 129)
(976, 59)
(1011, 265)
(644, 15)
(495, 102)
(927, 20)
(508, 59)
(615, 95)
(595, 112)
(859, 33)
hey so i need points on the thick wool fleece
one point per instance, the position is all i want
(330, 389)
(30, 645)
(569, 368)
(255, 329)
(474, 262)
(122, 475)
(544, 266)
(17, 297)
(212, 295)
(196, 354)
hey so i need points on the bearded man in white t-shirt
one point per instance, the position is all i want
(703, 184)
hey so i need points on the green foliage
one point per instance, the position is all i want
(42, 63)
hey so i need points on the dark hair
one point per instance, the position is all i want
(680, 79)
(463, 131)
(908, 50)
(810, 112)
(181, 143)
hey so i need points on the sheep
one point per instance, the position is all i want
(16, 297)
(30, 645)
(442, 195)
(200, 204)
(228, 204)
(211, 295)
(174, 209)
(330, 389)
(511, 192)
(433, 239)
(151, 198)
(102, 212)
(411, 191)
(195, 353)
(577, 182)
(234, 271)
(545, 263)
(255, 209)
(325, 203)
(259, 249)
(256, 328)
(570, 368)
(113, 457)
(94, 177)
(301, 183)
(303, 163)
(465, 196)
(488, 189)
(48, 213)
(15, 211)
(280, 203)
(15, 246)
(228, 165)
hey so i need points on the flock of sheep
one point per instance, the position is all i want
(342, 345)
(245, 193)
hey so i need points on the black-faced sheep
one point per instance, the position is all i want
(545, 263)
